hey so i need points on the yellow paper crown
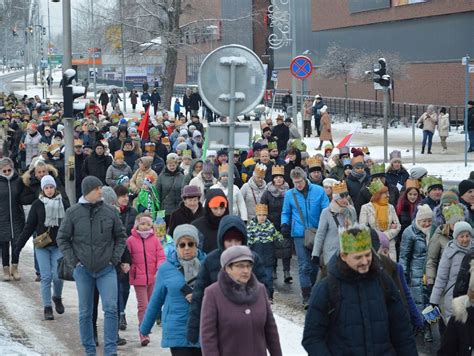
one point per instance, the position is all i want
(53, 148)
(261, 209)
(314, 162)
(365, 149)
(350, 243)
(149, 147)
(78, 142)
(339, 188)
(43, 147)
(278, 170)
(260, 170)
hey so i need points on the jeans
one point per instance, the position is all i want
(37, 269)
(471, 139)
(317, 123)
(427, 135)
(304, 262)
(48, 268)
(269, 273)
(106, 282)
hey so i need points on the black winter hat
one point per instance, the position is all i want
(465, 185)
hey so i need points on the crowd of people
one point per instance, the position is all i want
(376, 245)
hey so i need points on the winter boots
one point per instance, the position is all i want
(14, 272)
(48, 313)
(287, 277)
(6, 273)
(122, 322)
(144, 340)
(306, 293)
(58, 305)
(428, 335)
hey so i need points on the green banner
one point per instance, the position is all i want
(55, 59)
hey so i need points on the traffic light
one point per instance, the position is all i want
(70, 91)
(44, 31)
(380, 74)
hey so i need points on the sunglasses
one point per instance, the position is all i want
(184, 244)
(6, 170)
(344, 195)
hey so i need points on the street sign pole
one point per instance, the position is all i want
(273, 98)
(466, 99)
(413, 136)
(385, 124)
(293, 55)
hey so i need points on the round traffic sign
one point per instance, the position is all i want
(214, 79)
(301, 67)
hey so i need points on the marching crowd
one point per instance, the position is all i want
(383, 254)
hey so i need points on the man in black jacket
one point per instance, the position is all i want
(92, 239)
(97, 163)
(470, 124)
(282, 132)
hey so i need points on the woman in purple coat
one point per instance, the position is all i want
(237, 304)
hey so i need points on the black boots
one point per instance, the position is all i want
(121, 341)
(58, 305)
(48, 313)
(428, 335)
(287, 277)
(122, 322)
(423, 151)
(306, 293)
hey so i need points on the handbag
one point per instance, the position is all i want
(65, 272)
(43, 240)
(309, 232)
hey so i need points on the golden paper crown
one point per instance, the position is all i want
(43, 147)
(52, 148)
(314, 162)
(350, 243)
(261, 209)
(149, 147)
(260, 170)
(339, 188)
(78, 142)
(365, 149)
(165, 141)
(223, 168)
(412, 183)
(278, 171)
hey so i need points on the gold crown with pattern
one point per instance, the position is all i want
(261, 209)
(339, 188)
(314, 162)
(260, 170)
(278, 170)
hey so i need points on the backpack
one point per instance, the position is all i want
(334, 287)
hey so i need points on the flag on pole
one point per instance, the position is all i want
(143, 128)
(204, 146)
(346, 140)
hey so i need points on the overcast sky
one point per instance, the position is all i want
(55, 15)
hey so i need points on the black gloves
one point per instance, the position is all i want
(285, 231)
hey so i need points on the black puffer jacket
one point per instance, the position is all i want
(208, 223)
(35, 223)
(169, 188)
(364, 197)
(92, 234)
(210, 268)
(32, 185)
(354, 185)
(96, 166)
(183, 215)
(12, 217)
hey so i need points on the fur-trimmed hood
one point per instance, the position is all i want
(29, 175)
(462, 309)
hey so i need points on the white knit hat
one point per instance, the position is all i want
(461, 226)
(47, 180)
(424, 212)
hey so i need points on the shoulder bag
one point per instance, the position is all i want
(309, 232)
(43, 240)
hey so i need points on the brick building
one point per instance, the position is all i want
(431, 36)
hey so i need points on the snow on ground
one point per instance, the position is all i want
(291, 335)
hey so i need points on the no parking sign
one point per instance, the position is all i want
(301, 67)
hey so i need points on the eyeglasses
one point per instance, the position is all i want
(190, 244)
(7, 170)
(242, 265)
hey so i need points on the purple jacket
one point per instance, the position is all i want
(238, 321)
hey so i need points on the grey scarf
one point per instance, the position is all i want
(277, 192)
(54, 209)
(190, 269)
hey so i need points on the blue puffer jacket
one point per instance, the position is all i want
(210, 269)
(167, 295)
(413, 252)
(311, 206)
(365, 324)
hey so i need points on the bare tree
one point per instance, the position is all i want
(337, 63)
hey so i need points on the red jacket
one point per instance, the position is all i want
(147, 255)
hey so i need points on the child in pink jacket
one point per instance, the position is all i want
(147, 255)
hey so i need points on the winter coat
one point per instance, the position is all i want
(366, 323)
(326, 242)
(470, 121)
(195, 101)
(443, 125)
(183, 215)
(436, 246)
(397, 177)
(294, 133)
(169, 188)
(188, 177)
(448, 269)
(311, 205)
(130, 158)
(147, 256)
(12, 218)
(115, 171)
(365, 196)
(169, 302)
(210, 269)
(240, 209)
(252, 193)
(354, 185)
(415, 315)
(458, 337)
(367, 217)
(428, 201)
(91, 234)
(208, 223)
(35, 223)
(198, 181)
(282, 132)
(32, 185)
(429, 121)
(104, 99)
(261, 238)
(226, 314)
(325, 128)
(127, 216)
(464, 275)
(116, 144)
(31, 146)
(96, 166)
(155, 98)
(413, 251)
(114, 99)
(138, 177)
(274, 199)
(469, 209)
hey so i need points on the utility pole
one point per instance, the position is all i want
(68, 121)
(93, 47)
(25, 52)
(124, 88)
(293, 55)
(49, 62)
